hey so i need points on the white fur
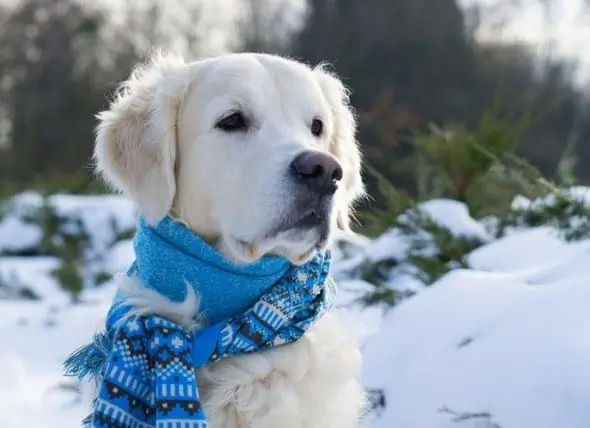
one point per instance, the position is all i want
(158, 144)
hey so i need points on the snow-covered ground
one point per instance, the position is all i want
(507, 340)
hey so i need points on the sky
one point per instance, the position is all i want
(568, 34)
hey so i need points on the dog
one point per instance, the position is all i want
(257, 155)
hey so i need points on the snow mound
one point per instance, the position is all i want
(16, 235)
(526, 249)
(36, 232)
(509, 338)
(506, 340)
(455, 217)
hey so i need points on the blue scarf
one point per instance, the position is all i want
(145, 366)
(169, 256)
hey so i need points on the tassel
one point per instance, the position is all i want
(87, 421)
(89, 360)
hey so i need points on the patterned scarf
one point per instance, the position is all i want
(145, 366)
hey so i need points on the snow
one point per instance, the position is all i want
(455, 217)
(486, 342)
(32, 274)
(391, 245)
(576, 193)
(37, 338)
(528, 248)
(446, 213)
(507, 337)
(102, 217)
(119, 257)
(16, 235)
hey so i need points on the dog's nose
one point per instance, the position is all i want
(319, 171)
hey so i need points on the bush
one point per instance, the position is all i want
(77, 231)
(419, 250)
(80, 183)
(567, 210)
(500, 190)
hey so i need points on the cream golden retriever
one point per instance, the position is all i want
(256, 154)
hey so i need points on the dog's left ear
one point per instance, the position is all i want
(135, 149)
(343, 143)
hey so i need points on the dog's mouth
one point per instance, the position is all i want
(307, 215)
(311, 220)
(299, 233)
(298, 243)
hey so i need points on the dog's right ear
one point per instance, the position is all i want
(135, 149)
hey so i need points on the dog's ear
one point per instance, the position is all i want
(135, 147)
(343, 143)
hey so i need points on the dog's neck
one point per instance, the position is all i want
(248, 255)
(215, 240)
(211, 239)
(238, 252)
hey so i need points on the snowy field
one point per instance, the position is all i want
(505, 343)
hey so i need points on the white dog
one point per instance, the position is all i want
(257, 155)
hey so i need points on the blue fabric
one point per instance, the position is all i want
(169, 256)
(146, 365)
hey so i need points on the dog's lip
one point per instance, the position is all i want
(310, 220)
(307, 221)
(307, 215)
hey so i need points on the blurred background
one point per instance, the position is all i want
(410, 64)
(474, 120)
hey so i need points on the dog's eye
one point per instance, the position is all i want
(232, 123)
(317, 127)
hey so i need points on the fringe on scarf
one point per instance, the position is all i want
(88, 361)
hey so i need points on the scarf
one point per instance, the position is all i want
(145, 366)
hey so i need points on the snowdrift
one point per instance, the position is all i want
(505, 343)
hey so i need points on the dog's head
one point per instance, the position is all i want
(255, 153)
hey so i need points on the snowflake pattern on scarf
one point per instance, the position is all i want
(146, 365)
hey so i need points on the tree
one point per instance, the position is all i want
(60, 61)
(415, 63)
(408, 63)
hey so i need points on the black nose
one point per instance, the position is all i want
(319, 171)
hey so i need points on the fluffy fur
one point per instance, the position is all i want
(159, 144)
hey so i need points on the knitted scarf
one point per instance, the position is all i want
(145, 366)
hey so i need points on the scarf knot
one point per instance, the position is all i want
(145, 366)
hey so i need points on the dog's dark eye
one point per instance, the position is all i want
(317, 127)
(232, 123)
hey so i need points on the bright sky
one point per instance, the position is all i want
(568, 33)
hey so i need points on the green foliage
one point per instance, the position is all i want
(462, 164)
(70, 278)
(396, 201)
(102, 277)
(433, 249)
(454, 151)
(91, 24)
(67, 238)
(480, 169)
(559, 209)
(123, 235)
(81, 182)
(552, 204)
(381, 295)
(12, 288)
(565, 171)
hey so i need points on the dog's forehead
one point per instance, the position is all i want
(256, 67)
(257, 75)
